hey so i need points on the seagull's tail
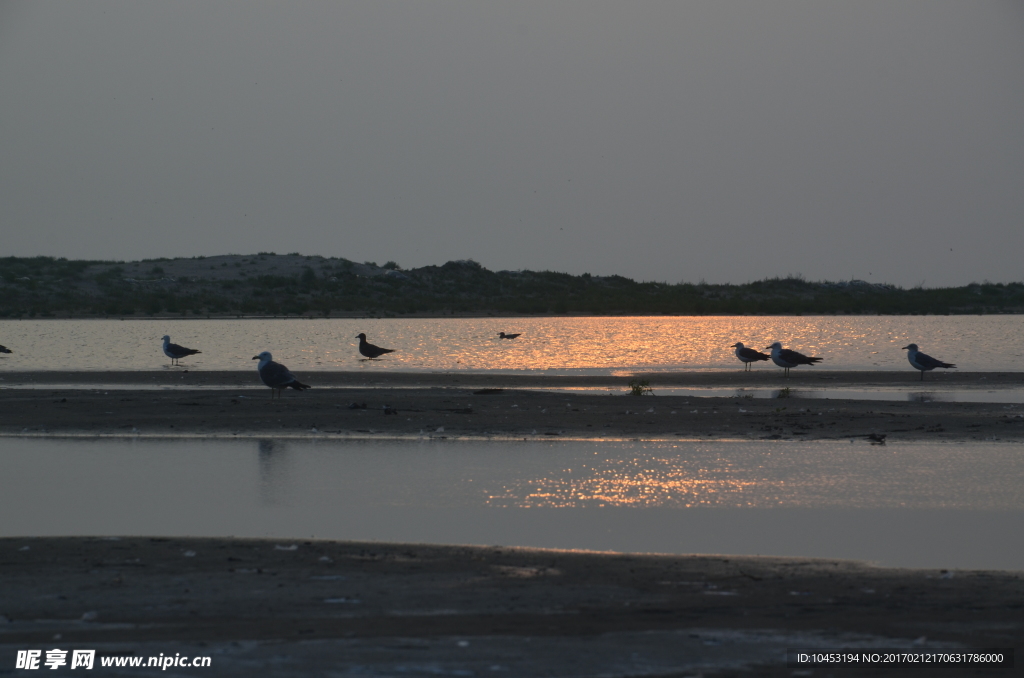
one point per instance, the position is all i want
(298, 386)
(811, 361)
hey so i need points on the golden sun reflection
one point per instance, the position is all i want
(641, 482)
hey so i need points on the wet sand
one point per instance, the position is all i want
(333, 608)
(183, 403)
(338, 608)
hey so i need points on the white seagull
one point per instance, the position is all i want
(276, 375)
(783, 357)
(175, 352)
(748, 355)
(923, 361)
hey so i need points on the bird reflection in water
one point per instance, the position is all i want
(275, 471)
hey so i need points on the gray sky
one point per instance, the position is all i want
(717, 140)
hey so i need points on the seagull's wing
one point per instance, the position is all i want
(797, 358)
(926, 360)
(276, 375)
(751, 354)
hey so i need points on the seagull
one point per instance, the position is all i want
(502, 335)
(783, 357)
(4, 349)
(175, 352)
(748, 355)
(276, 375)
(369, 350)
(923, 361)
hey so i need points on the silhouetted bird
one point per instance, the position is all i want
(783, 357)
(923, 361)
(175, 352)
(748, 355)
(276, 375)
(502, 335)
(4, 349)
(369, 350)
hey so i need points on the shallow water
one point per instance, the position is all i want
(952, 506)
(563, 345)
(1008, 395)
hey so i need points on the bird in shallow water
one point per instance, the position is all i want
(175, 352)
(369, 350)
(502, 335)
(783, 357)
(276, 375)
(4, 349)
(748, 355)
(923, 361)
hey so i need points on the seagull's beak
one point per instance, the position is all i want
(255, 357)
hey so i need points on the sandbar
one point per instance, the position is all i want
(232, 404)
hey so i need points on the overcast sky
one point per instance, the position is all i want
(673, 141)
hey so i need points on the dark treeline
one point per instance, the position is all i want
(271, 284)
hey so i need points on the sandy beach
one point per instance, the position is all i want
(299, 608)
(182, 403)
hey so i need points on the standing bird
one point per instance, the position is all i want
(175, 352)
(502, 335)
(276, 375)
(783, 357)
(923, 361)
(4, 349)
(369, 350)
(748, 355)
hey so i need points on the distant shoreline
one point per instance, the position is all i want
(268, 285)
(456, 316)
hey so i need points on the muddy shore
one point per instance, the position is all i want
(333, 608)
(301, 608)
(181, 403)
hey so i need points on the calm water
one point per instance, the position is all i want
(555, 345)
(907, 505)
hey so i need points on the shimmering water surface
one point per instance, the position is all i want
(586, 345)
(907, 504)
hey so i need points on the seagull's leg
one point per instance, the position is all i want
(922, 375)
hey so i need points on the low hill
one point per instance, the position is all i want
(294, 284)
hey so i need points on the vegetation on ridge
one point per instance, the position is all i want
(294, 284)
